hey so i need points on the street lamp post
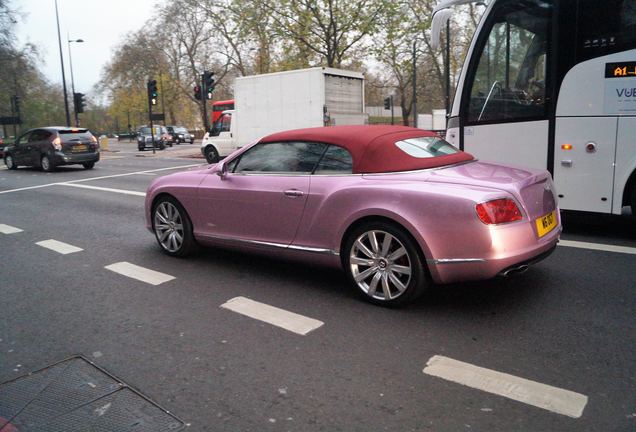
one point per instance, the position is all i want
(59, 40)
(70, 61)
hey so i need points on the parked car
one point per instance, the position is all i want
(1, 146)
(161, 138)
(50, 147)
(180, 134)
(397, 208)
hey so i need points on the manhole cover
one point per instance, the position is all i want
(74, 395)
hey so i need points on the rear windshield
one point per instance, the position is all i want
(426, 147)
(75, 134)
(181, 129)
(146, 130)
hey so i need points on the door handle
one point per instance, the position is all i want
(293, 193)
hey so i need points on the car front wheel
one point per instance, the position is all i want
(88, 165)
(9, 162)
(384, 263)
(172, 227)
(211, 155)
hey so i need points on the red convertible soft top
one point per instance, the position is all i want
(372, 148)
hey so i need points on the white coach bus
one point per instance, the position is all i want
(552, 84)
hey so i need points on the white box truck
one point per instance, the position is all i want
(270, 103)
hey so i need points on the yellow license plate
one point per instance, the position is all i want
(546, 223)
(80, 148)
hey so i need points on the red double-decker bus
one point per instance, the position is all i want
(219, 106)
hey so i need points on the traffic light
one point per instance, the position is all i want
(387, 103)
(208, 83)
(197, 92)
(153, 93)
(78, 102)
(15, 102)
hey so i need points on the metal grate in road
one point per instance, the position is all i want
(75, 395)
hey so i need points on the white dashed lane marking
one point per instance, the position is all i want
(120, 191)
(142, 274)
(8, 229)
(550, 398)
(290, 321)
(597, 246)
(59, 247)
(99, 178)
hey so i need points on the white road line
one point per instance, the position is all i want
(8, 229)
(532, 393)
(121, 191)
(598, 247)
(272, 315)
(59, 247)
(99, 178)
(140, 273)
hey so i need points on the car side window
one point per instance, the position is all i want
(336, 160)
(282, 157)
(23, 139)
(37, 135)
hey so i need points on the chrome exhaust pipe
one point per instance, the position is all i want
(515, 270)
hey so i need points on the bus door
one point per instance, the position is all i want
(505, 103)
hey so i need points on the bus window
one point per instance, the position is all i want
(510, 80)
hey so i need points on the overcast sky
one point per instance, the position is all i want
(101, 24)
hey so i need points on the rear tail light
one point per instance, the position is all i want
(498, 211)
(57, 143)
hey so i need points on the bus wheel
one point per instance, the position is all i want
(633, 201)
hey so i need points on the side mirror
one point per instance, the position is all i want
(221, 169)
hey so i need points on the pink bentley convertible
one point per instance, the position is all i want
(396, 207)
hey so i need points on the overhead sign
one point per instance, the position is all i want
(620, 88)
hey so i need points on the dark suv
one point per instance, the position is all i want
(50, 147)
(160, 137)
(180, 134)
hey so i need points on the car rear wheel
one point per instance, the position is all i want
(46, 164)
(384, 263)
(9, 162)
(172, 227)
(211, 155)
(88, 165)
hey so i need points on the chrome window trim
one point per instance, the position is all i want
(421, 170)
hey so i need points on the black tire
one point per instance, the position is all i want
(633, 203)
(141, 148)
(211, 155)
(9, 162)
(162, 146)
(393, 278)
(47, 164)
(162, 217)
(88, 165)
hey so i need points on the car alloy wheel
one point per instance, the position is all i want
(46, 164)
(172, 227)
(384, 264)
(8, 161)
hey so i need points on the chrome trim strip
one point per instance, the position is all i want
(316, 250)
(421, 170)
(274, 245)
(456, 260)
